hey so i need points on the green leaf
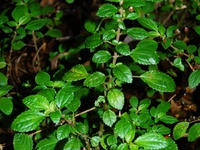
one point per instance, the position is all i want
(101, 56)
(4, 79)
(151, 141)
(194, 79)
(109, 34)
(163, 107)
(123, 49)
(82, 127)
(75, 105)
(47, 144)
(18, 12)
(17, 45)
(178, 63)
(133, 3)
(148, 23)
(194, 132)
(48, 93)
(180, 129)
(4, 89)
(197, 29)
(171, 145)
(95, 140)
(158, 81)
(95, 79)
(111, 140)
(63, 131)
(6, 105)
(27, 121)
(170, 30)
(117, 1)
(22, 142)
(55, 116)
(130, 135)
(73, 144)
(122, 127)
(42, 78)
(168, 119)
(24, 19)
(93, 41)
(116, 98)
(148, 44)
(35, 25)
(132, 16)
(180, 44)
(123, 73)
(107, 10)
(77, 72)
(53, 33)
(2, 65)
(122, 146)
(145, 56)
(163, 130)
(109, 117)
(36, 102)
(12, 24)
(137, 33)
(64, 97)
(90, 26)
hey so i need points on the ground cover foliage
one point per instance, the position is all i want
(114, 74)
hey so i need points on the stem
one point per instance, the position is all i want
(86, 111)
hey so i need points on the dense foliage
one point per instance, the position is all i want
(116, 87)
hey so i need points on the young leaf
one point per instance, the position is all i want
(194, 79)
(75, 105)
(49, 93)
(123, 49)
(148, 23)
(55, 116)
(63, 131)
(151, 141)
(122, 146)
(137, 33)
(95, 140)
(158, 81)
(180, 129)
(145, 56)
(168, 119)
(130, 136)
(54, 33)
(107, 10)
(101, 56)
(122, 127)
(163, 107)
(47, 144)
(194, 132)
(17, 45)
(93, 41)
(64, 97)
(22, 142)
(73, 144)
(90, 26)
(178, 63)
(123, 73)
(95, 79)
(109, 34)
(132, 16)
(6, 105)
(36, 102)
(77, 72)
(27, 121)
(42, 78)
(116, 98)
(109, 117)
(35, 25)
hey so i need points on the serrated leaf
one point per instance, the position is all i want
(4, 79)
(64, 97)
(95, 140)
(168, 119)
(122, 146)
(93, 41)
(158, 81)
(111, 140)
(95, 79)
(76, 73)
(6, 105)
(194, 79)
(122, 127)
(132, 16)
(75, 105)
(178, 63)
(36, 102)
(148, 23)
(145, 56)
(22, 142)
(109, 34)
(148, 44)
(35, 25)
(152, 141)
(107, 10)
(73, 144)
(163, 107)
(133, 3)
(49, 93)
(82, 127)
(171, 145)
(137, 33)
(130, 136)
(24, 19)
(180, 44)
(18, 12)
(47, 144)
(4, 89)
(180, 129)
(63, 131)
(53, 33)
(194, 132)
(123, 49)
(17, 45)
(123, 73)
(163, 130)
(90, 26)
(116, 98)
(101, 56)
(109, 117)
(27, 121)
(55, 116)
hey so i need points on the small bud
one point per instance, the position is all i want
(177, 31)
(131, 9)
(186, 29)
